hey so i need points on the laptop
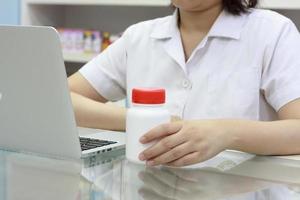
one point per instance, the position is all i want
(36, 113)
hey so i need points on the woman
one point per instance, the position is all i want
(232, 73)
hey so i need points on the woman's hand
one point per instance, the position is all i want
(185, 142)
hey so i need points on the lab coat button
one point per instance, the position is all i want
(186, 84)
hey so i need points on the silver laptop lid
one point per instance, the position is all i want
(36, 113)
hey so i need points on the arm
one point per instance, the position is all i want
(190, 142)
(90, 108)
(270, 138)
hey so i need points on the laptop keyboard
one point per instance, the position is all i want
(88, 143)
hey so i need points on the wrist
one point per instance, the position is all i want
(243, 133)
(230, 133)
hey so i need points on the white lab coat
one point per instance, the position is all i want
(247, 67)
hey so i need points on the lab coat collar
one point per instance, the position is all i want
(167, 29)
(226, 26)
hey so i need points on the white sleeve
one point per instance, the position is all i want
(107, 72)
(281, 76)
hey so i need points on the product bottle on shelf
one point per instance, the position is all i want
(88, 42)
(106, 40)
(97, 41)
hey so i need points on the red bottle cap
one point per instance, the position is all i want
(148, 96)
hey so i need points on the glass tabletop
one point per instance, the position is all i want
(229, 176)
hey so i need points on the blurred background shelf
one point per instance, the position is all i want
(113, 15)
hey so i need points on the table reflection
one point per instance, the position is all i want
(163, 183)
(111, 177)
(26, 177)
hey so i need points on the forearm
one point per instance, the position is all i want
(93, 114)
(264, 138)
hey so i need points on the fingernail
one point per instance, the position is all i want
(143, 139)
(150, 163)
(142, 157)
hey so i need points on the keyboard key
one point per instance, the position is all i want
(88, 143)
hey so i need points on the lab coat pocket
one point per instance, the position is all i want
(236, 93)
(246, 94)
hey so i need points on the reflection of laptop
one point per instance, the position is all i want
(36, 113)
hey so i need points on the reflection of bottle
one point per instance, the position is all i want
(147, 112)
(131, 181)
(106, 40)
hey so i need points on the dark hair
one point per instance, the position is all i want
(236, 7)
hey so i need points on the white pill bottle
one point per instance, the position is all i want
(146, 112)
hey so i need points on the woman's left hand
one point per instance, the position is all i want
(185, 142)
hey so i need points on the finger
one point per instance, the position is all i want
(164, 145)
(173, 154)
(161, 131)
(189, 159)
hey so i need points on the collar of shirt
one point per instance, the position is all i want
(226, 26)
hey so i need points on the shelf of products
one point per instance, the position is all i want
(81, 45)
(101, 15)
(94, 14)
